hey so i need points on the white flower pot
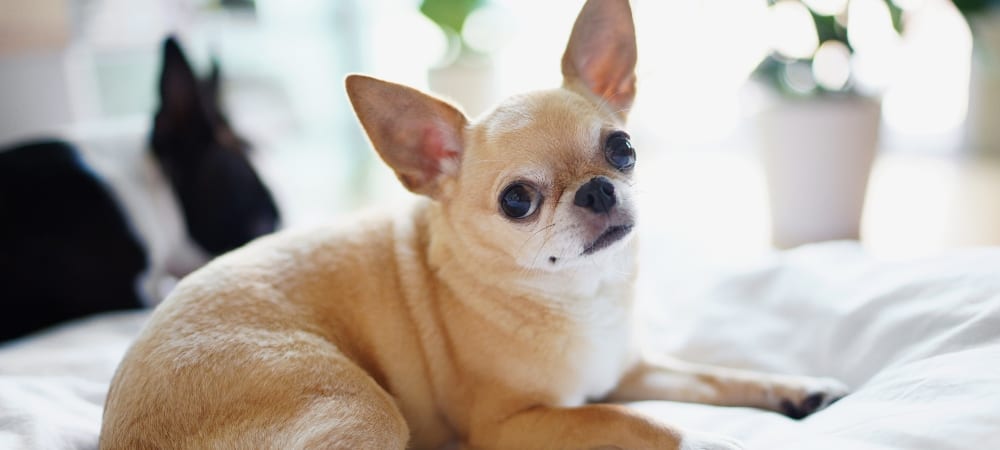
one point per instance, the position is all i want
(469, 81)
(982, 132)
(817, 155)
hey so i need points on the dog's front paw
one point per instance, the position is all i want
(693, 440)
(801, 397)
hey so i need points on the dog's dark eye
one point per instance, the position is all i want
(619, 151)
(519, 200)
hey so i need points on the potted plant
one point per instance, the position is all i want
(465, 73)
(819, 133)
(983, 17)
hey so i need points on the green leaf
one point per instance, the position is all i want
(449, 14)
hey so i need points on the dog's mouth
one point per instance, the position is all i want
(611, 235)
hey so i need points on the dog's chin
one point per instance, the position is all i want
(610, 236)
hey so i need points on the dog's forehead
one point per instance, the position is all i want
(542, 123)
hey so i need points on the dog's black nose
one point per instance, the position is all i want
(597, 195)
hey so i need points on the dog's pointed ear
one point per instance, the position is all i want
(601, 55)
(420, 137)
(214, 81)
(180, 101)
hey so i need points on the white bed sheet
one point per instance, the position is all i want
(918, 342)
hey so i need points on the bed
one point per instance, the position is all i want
(918, 341)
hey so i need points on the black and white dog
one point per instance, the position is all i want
(99, 227)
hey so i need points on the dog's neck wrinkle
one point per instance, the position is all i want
(435, 341)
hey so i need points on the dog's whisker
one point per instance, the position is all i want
(533, 235)
(524, 271)
(548, 237)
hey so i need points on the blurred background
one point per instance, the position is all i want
(759, 124)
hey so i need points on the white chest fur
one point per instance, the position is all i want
(127, 166)
(604, 356)
(603, 349)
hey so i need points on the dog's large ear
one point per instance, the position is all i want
(213, 83)
(180, 99)
(419, 136)
(601, 53)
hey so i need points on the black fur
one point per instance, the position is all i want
(224, 202)
(66, 248)
(812, 403)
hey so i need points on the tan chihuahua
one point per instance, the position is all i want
(488, 316)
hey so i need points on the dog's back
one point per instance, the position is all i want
(51, 274)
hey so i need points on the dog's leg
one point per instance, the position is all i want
(364, 416)
(669, 379)
(588, 427)
(271, 389)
